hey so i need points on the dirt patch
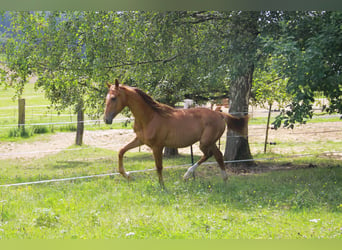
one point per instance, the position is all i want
(301, 137)
(35, 149)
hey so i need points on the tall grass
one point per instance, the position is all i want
(29, 131)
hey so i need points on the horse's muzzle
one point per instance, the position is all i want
(108, 121)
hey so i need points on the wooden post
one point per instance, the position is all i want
(21, 113)
(267, 127)
(80, 127)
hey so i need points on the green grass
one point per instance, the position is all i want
(296, 204)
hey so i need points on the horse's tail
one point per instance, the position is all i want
(237, 123)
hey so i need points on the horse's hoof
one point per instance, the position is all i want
(186, 176)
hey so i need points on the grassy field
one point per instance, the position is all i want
(296, 204)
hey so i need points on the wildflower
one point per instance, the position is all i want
(315, 220)
(130, 234)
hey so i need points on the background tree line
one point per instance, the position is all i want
(180, 54)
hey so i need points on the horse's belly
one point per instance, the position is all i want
(181, 139)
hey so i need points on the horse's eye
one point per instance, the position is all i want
(113, 98)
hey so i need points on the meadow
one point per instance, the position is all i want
(302, 203)
(301, 198)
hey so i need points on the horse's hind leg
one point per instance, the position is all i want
(219, 158)
(133, 144)
(206, 155)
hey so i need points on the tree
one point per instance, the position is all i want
(269, 89)
(310, 58)
(226, 42)
(235, 37)
(69, 51)
(61, 49)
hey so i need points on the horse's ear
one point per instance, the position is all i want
(117, 83)
(108, 85)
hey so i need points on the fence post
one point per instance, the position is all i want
(21, 113)
(267, 127)
(80, 127)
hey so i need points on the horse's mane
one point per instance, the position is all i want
(158, 107)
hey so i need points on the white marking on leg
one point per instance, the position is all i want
(190, 171)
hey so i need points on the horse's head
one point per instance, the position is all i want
(115, 102)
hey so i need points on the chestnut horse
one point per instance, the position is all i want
(158, 125)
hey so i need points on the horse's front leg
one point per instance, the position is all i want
(158, 158)
(133, 144)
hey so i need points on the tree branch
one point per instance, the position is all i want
(143, 62)
(201, 17)
(206, 98)
(274, 80)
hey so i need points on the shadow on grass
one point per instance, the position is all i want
(296, 190)
(148, 157)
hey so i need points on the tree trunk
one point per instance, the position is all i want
(237, 147)
(80, 125)
(244, 30)
(170, 152)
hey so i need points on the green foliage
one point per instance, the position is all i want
(308, 55)
(269, 87)
(177, 54)
(74, 53)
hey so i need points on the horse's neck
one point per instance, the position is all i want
(141, 111)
